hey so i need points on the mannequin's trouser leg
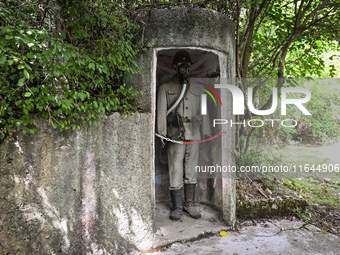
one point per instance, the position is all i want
(182, 160)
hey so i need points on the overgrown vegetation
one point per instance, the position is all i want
(282, 40)
(324, 123)
(64, 60)
(322, 126)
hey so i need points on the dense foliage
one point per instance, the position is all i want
(65, 62)
(286, 40)
(321, 126)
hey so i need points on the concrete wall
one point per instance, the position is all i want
(88, 191)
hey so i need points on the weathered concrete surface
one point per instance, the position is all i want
(168, 231)
(78, 192)
(272, 237)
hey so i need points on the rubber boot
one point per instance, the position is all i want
(177, 204)
(189, 207)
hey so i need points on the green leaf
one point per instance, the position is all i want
(2, 59)
(92, 66)
(21, 82)
(30, 55)
(27, 75)
(27, 94)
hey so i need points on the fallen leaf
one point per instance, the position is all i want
(224, 234)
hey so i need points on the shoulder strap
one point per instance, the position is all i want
(179, 99)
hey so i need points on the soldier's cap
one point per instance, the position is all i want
(181, 56)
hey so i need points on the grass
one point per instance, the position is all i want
(296, 155)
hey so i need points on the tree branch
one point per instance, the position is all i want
(321, 6)
(249, 35)
(299, 15)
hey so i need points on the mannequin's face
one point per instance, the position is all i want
(183, 69)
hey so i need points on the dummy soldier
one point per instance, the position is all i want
(178, 118)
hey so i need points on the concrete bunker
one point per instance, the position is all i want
(208, 36)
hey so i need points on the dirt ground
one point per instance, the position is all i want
(324, 216)
(321, 192)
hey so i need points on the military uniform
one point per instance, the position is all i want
(182, 158)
